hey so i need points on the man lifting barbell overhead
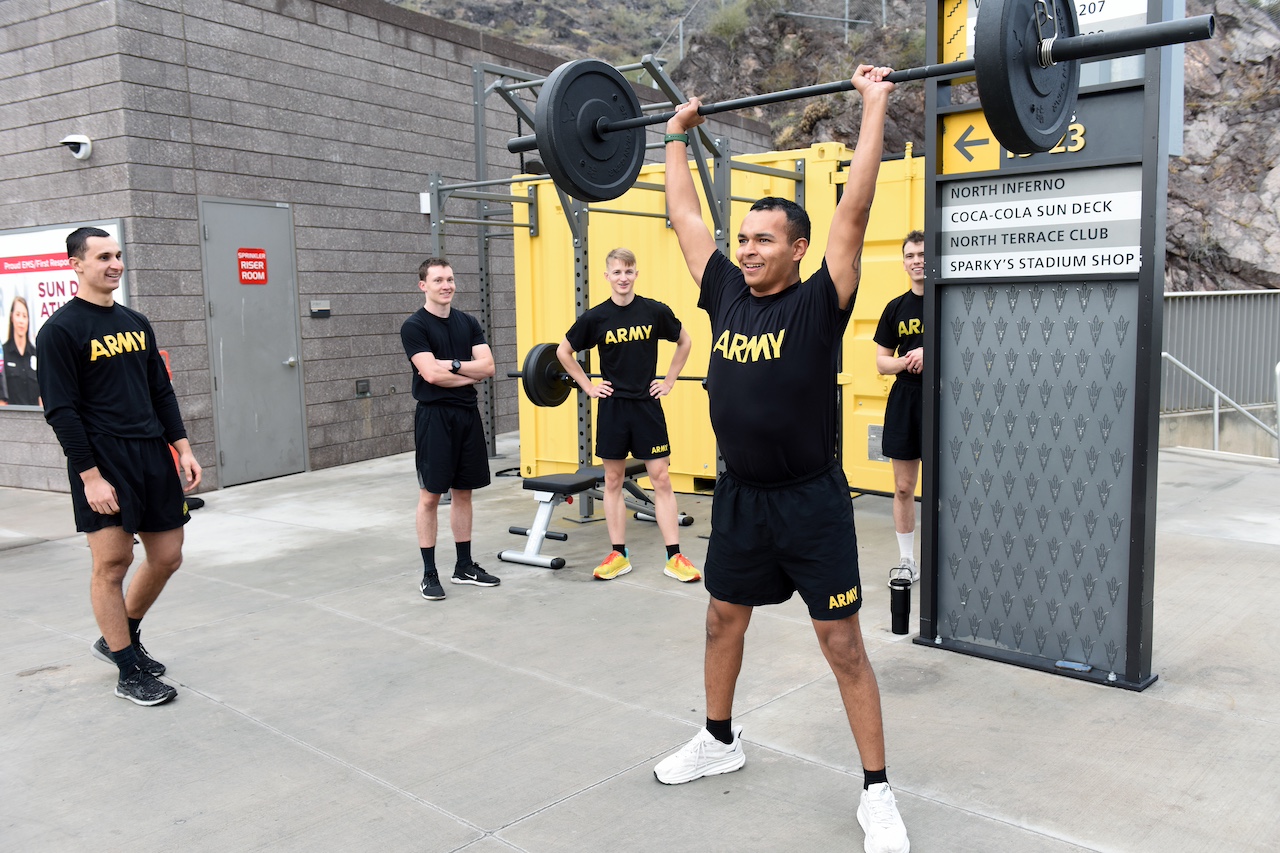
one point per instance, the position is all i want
(782, 519)
(626, 329)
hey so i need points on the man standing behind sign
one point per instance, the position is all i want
(900, 352)
(450, 358)
(108, 398)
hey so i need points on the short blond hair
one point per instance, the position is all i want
(627, 257)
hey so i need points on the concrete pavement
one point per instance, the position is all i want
(324, 705)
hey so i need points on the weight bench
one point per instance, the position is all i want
(552, 489)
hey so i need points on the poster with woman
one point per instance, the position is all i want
(36, 279)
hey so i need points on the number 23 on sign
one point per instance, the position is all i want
(1071, 142)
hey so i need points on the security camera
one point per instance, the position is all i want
(81, 146)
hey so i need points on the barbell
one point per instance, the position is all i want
(544, 380)
(589, 126)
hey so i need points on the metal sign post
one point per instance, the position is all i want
(1043, 316)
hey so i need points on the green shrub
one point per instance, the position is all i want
(729, 22)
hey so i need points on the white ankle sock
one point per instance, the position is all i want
(907, 545)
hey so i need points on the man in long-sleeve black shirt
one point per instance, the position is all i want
(107, 395)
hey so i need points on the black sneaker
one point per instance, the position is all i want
(474, 575)
(431, 589)
(149, 664)
(142, 688)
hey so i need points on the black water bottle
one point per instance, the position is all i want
(900, 604)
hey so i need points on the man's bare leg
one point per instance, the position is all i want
(717, 748)
(163, 557)
(906, 472)
(460, 514)
(425, 518)
(112, 551)
(841, 643)
(615, 505)
(726, 637)
(664, 499)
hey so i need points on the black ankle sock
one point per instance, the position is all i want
(672, 550)
(464, 555)
(721, 730)
(126, 659)
(134, 630)
(621, 549)
(428, 559)
(874, 777)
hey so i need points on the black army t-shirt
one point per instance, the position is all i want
(901, 329)
(772, 374)
(444, 337)
(101, 373)
(627, 337)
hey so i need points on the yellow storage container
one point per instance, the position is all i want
(546, 287)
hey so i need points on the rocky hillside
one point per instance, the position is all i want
(617, 31)
(1224, 191)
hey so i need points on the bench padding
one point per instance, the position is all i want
(578, 481)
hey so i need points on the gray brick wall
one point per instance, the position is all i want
(339, 108)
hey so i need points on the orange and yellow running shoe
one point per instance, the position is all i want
(615, 564)
(681, 569)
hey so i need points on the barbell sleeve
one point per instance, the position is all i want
(1133, 40)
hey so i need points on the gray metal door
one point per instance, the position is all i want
(254, 339)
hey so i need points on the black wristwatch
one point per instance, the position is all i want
(457, 365)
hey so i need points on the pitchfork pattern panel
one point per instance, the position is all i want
(1035, 448)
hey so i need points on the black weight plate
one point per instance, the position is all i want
(584, 163)
(542, 377)
(1027, 107)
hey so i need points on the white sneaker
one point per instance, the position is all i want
(702, 756)
(906, 570)
(879, 818)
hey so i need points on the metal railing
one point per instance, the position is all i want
(1219, 398)
(1232, 338)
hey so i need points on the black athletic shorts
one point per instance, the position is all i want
(451, 450)
(766, 543)
(147, 486)
(631, 427)
(903, 421)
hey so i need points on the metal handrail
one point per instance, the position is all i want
(1219, 396)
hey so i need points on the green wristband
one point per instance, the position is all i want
(676, 137)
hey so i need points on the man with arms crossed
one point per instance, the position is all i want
(900, 352)
(108, 398)
(626, 327)
(450, 358)
(782, 519)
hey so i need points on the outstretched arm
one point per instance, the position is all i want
(683, 208)
(849, 223)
